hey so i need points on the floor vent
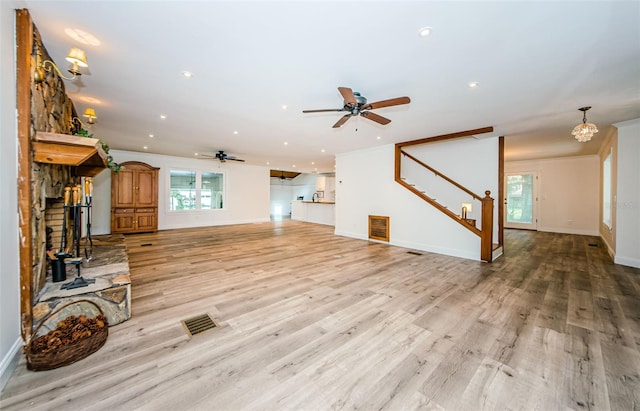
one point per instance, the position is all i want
(379, 228)
(199, 324)
(593, 245)
(414, 252)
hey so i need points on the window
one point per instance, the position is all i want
(606, 191)
(195, 190)
(211, 191)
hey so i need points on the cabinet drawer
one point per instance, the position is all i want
(145, 210)
(123, 210)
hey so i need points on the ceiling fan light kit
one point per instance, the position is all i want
(356, 104)
(584, 131)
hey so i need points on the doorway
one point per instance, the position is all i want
(521, 200)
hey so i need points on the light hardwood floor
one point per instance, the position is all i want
(312, 321)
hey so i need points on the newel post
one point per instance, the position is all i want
(486, 239)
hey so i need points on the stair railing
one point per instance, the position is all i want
(486, 228)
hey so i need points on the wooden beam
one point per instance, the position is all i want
(446, 137)
(24, 44)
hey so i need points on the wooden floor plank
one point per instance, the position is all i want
(310, 320)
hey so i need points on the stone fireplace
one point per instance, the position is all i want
(52, 113)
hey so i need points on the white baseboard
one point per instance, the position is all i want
(628, 261)
(214, 223)
(9, 362)
(564, 230)
(416, 246)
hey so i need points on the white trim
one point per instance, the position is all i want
(416, 246)
(628, 261)
(611, 251)
(9, 363)
(564, 230)
(217, 223)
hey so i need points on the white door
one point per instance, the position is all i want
(521, 200)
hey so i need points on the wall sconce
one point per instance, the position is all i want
(466, 208)
(76, 56)
(90, 114)
(583, 132)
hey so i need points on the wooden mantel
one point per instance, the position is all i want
(84, 153)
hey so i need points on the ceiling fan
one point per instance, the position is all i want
(222, 156)
(356, 105)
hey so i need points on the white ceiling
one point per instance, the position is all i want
(536, 64)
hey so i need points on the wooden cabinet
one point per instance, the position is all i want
(134, 198)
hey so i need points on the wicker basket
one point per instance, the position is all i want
(67, 354)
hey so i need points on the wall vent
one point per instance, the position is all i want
(379, 228)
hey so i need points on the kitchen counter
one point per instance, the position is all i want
(322, 212)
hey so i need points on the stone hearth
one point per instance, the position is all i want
(111, 291)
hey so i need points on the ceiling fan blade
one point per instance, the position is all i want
(347, 95)
(234, 159)
(342, 120)
(375, 117)
(387, 103)
(323, 110)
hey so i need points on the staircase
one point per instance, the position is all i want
(488, 250)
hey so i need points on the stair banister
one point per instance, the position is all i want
(486, 231)
(439, 174)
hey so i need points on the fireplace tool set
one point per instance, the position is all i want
(72, 209)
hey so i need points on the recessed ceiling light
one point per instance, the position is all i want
(82, 36)
(284, 106)
(378, 138)
(286, 143)
(425, 31)
(313, 163)
(145, 147)
(151, 136)
(235, 132)
(322, 150)
(268, 163)
(195, 154)
(162, 116)
(187, 74)
(294, 166)
(474, 84)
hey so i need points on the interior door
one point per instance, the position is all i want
(521, 200)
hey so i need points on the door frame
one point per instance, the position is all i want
(536, 187)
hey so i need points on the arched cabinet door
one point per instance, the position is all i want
(134, 198)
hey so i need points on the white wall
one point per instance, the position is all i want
(628, 192)
(10, 340)
(568, 193)
(285, 191)
(246, 193)
(365, 186)
(281, 194)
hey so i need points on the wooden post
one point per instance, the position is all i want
(398, 160)
(24, 44)
(501, 192)
(486, 239)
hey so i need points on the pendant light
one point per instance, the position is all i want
(583, 132)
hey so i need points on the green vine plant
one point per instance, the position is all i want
(110, 163)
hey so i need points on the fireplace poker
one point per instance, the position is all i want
(88, 194)
(63, 236)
